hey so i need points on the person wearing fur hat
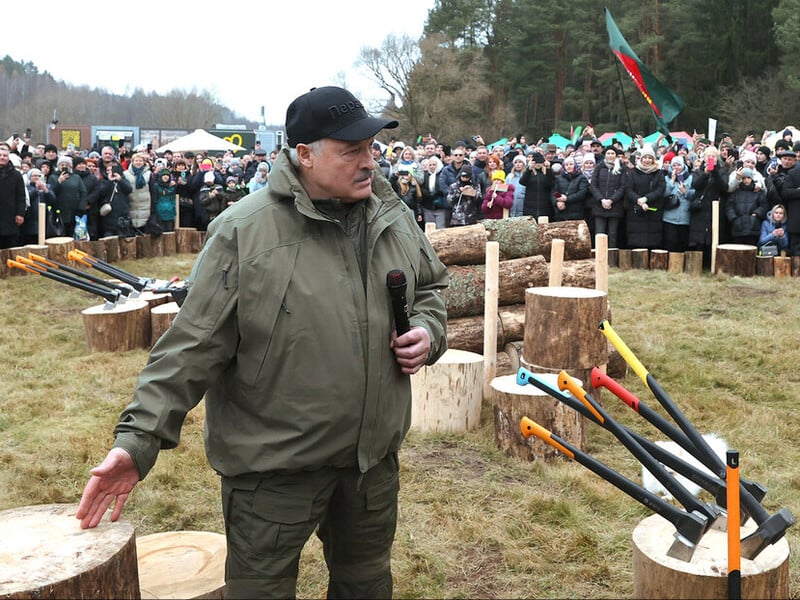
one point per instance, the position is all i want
(644, 209)
(607, 189)
(570, 192)
(498, 197)
(745, 209)
(70, 191)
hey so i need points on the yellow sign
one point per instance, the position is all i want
(234, 139)
(70, 136)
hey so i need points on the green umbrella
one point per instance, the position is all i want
(559, 140)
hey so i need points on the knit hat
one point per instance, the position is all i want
(207, 164)
(51, 148)
(647, 150)
(231, 178)
(764, 150)
(748, 155)
(538, 158)
(163, 172)
(519, 157)
(499, 175)
(786, 132)
(208, 177)
(677, 160)
(64, 160)
(748, 173)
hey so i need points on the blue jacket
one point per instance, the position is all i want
(768, 227)
(680, 215)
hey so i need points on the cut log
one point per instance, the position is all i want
(656, 575)
(625, 259)
(465, 295)
(659, 260)
(613, 258)
(514, 352)
(127, 248)
(99, 250)
(189, 240)
(144, 246)
(124, 327)
(518, 237)
(161, 317)
(640, 258)
(675, 262)
(616, 367)
(736, 260)
(182, 564)
(12, 253)
(45, 554)
(693, 263)
(765, 267)
(783, 266)
(112, 248)
(170, 243)
(447, 395)
(155, 299)
(466, 333)
(512, 402)
(84, 246)
(59, 247)
(795, 266)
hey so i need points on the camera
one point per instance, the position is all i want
(739, 164)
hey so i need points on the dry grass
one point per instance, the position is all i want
(473, 523)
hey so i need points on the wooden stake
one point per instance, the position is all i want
(556, 263)
(714, 234)
(492, 291)
(601, 262)
(42, 222)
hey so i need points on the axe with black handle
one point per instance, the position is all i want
(138, 283)
(716, 516)
(124, 290)
(111, 296)
(689, 526)
(771, 528)
(603, 380)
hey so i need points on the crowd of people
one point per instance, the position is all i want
(642, 196)
(110, 190)
(655, 196)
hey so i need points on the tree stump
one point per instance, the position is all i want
(112, 248)
(189, 240)
(153, 299)
(84, 246)
(127, 248)
(182, 564)
(640, 258)
(512, 402)
(45, 554)
(795, 266)
(693, 263)
(99, 250)
(447, 395)
(613, 258)
(125, 326)
(765, 267)
(144, 246)
(161, 317)
(736, 260)
(675, 262)
(625, 259)
(59, 247)
(170, 243)
(782, 266)
(656, 575)
(561, 332)
(659, 260)
(12, 253)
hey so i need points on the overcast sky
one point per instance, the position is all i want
(248, 54)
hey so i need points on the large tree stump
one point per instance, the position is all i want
(189, 240)
(466, 333)
(656, 575)
(161, 317)
(512, 402)
(155, 299)
(464, 296)
(736, 260)
(693, 263)
(59, 247)
(125, 326)
(45, 554)
(182, 564)
(517, 237)
(561, 332)
(447, 395)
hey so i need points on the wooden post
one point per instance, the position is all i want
(675, 262)
(182, 564)
(613, 257)
(601, 262)
(45, 554)
(640, 258)
(42, 223)
(447, 395)
(429, 228)
(656, 575)
(795, 266)
(693, 263)
(177, 210)
(512, 402)
(736, 260)
(59, 248)
(491, 293)
(714, 234)
(625, 259)
(765, 266)
(782, 266)
(543, 220)
(556, 263)
(659, 260)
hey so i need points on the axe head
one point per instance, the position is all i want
(689, 530)
(768, 532)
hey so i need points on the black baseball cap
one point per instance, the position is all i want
(331, 112)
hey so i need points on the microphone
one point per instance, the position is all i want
(396, 282)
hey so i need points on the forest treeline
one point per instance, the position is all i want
(498, 67)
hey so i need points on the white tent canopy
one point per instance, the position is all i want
(199, 141)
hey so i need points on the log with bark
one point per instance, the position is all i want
(518, 237)
(464, 296)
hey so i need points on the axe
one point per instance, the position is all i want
(138, 283)
(771, 528)
(125, 290)
(689, 527)
(111, 296)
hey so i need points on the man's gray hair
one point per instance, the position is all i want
(316, 148)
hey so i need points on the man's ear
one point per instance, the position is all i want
(304, 155)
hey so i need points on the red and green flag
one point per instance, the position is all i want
(666, 105)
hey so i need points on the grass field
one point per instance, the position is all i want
(474, 523)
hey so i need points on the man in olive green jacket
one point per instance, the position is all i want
(288, 331)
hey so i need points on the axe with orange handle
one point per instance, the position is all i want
(111, 296)
(689, 526)
(138, 283)
(124, 290)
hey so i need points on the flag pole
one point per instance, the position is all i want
(624, 100)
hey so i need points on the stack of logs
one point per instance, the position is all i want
(525, 247)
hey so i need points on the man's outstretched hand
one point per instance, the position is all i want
(111, 481)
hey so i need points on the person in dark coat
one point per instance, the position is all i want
(710, 182)
(746, 208)
(538, 182)
(570, 192)
(12, 200)
(644, 206)
(607, 190)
